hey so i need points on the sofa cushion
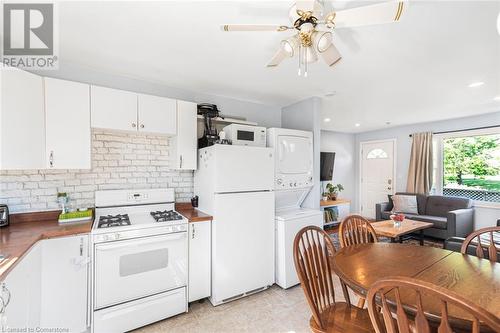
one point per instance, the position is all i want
(439, 222)
(440, 205)
(386, 215)
(421, 201)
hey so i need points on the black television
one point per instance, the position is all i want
(327, 164)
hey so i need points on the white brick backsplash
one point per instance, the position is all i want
(119, 161)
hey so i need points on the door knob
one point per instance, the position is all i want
(389, 188)
(133, 125)
(142, 125)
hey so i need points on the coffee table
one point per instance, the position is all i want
(386, 228)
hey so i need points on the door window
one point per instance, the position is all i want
(376, 153)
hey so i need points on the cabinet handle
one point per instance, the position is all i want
(142, 125)
(134, 125)
(81, 247)
(180, 162)
(51, 159)
(192, 233)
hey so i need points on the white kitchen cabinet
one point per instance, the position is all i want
(22, 120)
(113, 109)
(23, 286)
(156, 114)
(199, 260)
(67, 121)
(184, 145)
(64, 273)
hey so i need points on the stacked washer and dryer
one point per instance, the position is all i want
(293, 151)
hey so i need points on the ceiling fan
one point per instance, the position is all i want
(313, 29)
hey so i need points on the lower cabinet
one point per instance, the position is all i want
(199, 260)
(48, 287)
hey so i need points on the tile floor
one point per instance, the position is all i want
(273, 310)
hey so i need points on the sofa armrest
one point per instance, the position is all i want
(460, 222)
(379, 208)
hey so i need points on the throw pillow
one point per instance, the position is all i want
(405, 204)
(390, 205)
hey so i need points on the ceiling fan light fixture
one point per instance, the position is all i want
(322, 41)
(289, 46)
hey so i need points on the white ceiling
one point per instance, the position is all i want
(413, 71)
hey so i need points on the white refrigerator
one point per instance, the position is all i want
(235, 186)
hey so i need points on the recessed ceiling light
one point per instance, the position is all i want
(476, 84)
(357, 125)
(327, 120)
(497, 98)
(387, 122)
(330, 94)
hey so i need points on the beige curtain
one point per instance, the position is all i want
(420, 170)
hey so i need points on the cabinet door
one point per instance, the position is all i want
(157, 114)
(64, 283)
(67, 121)
(199, 260)
(113, 109)
(23, 286)
(186, 142)
(22, 120)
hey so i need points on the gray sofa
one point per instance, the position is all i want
(451, 216)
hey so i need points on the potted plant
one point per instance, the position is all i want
(332, 191)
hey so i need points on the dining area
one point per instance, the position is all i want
(399, 287)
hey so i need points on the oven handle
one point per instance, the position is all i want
(139, 243)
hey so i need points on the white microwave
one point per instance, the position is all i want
(246, 135)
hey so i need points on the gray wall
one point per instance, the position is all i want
(484, 216)
(306, 115)
(264, 115)
(343, 144)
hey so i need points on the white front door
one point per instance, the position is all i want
(377, 174)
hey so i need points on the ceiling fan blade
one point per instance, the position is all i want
(381, 13)
(331, 55)
(254, 27)
(278, 57)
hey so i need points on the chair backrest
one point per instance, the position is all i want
(395, 318)
(485, 240)
(355, 229)
(312, 250)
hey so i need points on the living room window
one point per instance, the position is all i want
(468, 165)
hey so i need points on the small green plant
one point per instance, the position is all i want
(332, 191)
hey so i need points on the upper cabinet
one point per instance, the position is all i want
(184, 145)
(67, 121)
(156, 114)
(128, 111)
(22, 120)
(113, 109)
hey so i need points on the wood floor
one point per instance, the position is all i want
(273, 310)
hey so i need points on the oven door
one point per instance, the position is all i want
(131, 269)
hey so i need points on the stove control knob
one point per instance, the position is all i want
(279, 181)
(105, 237)
(118, 236)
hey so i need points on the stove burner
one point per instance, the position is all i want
(113, 221)
(166, 215)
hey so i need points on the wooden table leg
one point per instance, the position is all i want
(421, 237)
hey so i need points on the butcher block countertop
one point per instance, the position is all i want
(28, 228)
(192, 214)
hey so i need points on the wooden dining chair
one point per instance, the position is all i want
(312, 252)
(485, 240)
(405, 318)
(355, 229)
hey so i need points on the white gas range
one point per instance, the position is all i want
(140, 259)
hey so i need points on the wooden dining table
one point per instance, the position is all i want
(477, 280)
